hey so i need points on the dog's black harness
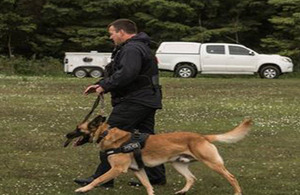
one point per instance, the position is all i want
(135, 144)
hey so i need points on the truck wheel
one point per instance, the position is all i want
(80, 73)
(269, 72)
(96, 73)
(185, 71)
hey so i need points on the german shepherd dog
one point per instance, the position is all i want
(179, 148)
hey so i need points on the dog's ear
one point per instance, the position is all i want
(96, 122)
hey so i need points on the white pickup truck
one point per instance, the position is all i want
(187, 59)
(82, 64)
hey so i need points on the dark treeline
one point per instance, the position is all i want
(38, 28)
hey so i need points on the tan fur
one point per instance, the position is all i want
(233, 136)
(179, 148)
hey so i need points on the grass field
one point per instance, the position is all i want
(36, 112)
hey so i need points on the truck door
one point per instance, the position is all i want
(241, 59)
(212, 58)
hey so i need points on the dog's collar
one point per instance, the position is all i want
(103, 135)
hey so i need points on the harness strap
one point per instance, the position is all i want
(135, 144)
(138, 158)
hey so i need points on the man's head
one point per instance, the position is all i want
(121, 30)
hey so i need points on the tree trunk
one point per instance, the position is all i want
(200, 25)
(237, 21)
(10, 55)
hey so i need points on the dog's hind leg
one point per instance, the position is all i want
(183, 169)
(142, 176)
(220, 168)
(211, 157)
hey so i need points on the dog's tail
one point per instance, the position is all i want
(235, 135)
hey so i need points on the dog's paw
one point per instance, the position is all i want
(181, 192)
(78, 190)
(83, 189)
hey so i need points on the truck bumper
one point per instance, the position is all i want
(287, 67)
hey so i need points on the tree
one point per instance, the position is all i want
(41, 28)
(72, 25)
(237, 21)
(15, 25)
(285, 38)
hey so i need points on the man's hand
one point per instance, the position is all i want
(93, 89)
(99, 90)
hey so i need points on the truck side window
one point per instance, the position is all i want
(215, 49)
(235, 50)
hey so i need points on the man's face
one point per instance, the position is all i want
(117, 37)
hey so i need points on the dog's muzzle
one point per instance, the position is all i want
(74, 134)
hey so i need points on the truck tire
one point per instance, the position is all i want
(185, 71)
(269, 72)
(96, 73)
(80, 73)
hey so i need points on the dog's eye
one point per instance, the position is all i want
(91, 126)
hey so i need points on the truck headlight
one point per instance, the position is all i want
(287, 59)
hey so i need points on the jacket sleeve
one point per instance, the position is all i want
(128, 69)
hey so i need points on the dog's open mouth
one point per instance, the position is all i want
(77, 142)
(81, 140)
(79, 137)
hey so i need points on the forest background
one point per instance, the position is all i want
(35, 34)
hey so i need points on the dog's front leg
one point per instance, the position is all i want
(111, 174)
(142, 176)
(119, 163)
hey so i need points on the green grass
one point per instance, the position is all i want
(36, 112)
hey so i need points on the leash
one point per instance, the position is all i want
(100, 99)
(102, 104)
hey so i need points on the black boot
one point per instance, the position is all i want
(84, 182)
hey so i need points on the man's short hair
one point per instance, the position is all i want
(124, 24)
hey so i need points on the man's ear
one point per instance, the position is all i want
(122, 32)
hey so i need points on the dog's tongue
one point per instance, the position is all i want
(76, 143)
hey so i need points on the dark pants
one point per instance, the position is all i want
(130, 116)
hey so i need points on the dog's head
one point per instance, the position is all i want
(84, 132)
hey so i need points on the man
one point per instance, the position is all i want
(135, 92)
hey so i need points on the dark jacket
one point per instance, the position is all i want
(133, 74)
